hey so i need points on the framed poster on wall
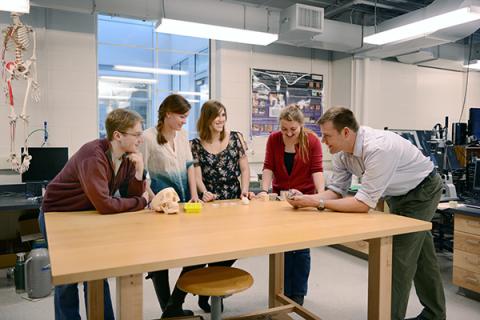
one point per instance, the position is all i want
(273, 90)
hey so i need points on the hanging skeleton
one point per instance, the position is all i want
(16, 40)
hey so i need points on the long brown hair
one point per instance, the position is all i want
(210, 110)
(174, 103)
(293, 113)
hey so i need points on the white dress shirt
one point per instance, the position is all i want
(387, 164)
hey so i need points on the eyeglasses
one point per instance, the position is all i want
(136, 134)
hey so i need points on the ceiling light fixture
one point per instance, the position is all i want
(150, 70)
(22, 6)
(128, 79)
(475, 64)
(208, 31)
(114, 97)
(190, 93)
(425, 27)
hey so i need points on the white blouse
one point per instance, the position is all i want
(167, 167)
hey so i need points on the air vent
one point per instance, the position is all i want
(310, 18)
(299, 23)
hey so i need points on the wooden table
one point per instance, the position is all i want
(87, 246)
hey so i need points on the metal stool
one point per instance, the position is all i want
(217, 282)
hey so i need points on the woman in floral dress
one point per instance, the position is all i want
(221, 164)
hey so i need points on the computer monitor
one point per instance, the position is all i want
(46, 163)
(422, 140)
(474, 123)
(476, 176)
(410, 135)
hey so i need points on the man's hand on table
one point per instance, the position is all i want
(299, 200)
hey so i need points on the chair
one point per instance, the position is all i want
(216, 281)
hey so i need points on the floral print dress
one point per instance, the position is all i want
(221, 171)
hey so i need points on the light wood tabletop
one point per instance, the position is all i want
(87, 246)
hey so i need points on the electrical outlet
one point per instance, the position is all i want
(4, 164)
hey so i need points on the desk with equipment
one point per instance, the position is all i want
(19, 203)
(138, 242)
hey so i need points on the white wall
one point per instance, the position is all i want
(66, 50)
(405, 96)
(232, 80)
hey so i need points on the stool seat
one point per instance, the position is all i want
(215, 281)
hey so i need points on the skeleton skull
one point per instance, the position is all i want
(166, 200)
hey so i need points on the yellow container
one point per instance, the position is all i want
(192, 207)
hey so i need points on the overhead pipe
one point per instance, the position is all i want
(342, 8)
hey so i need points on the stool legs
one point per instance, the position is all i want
(216, 308)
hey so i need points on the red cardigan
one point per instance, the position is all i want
(88, 182)
(301, 175)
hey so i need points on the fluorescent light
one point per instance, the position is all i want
(190, 93)
(127, 79)
(193, 100)
(127, 89)
(22, 6)
(208, 31)
(425, 26)
(114, 97)
(150, 70)
(474, 65)
(122, 98)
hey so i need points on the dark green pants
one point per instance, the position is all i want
(414, 256)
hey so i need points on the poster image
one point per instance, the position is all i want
(274, 90)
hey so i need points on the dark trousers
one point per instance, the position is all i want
(297, 270)
(66, 303)
(414, 258)
(162, 288)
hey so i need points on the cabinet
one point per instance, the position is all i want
(466, 253)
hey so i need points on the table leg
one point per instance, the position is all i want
(379, 278)
(130, 297)
(95, 300)
(276, 274)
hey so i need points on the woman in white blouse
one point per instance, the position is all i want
(168, 161)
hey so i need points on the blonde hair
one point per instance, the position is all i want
(293, 113)
(121, 120)
(210, 110)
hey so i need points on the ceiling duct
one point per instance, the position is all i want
(299, 23)
(449, 56)
(419, 56)
(344, 37)
(439, 37)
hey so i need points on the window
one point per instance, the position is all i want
(138, 68)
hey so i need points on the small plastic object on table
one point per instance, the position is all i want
(192, 207)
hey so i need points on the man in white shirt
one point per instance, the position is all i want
(389, 166)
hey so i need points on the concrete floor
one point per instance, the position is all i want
(337, 290)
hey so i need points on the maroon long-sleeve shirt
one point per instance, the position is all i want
(301, 175)
(88, 182)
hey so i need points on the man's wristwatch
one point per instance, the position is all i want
(321, 205)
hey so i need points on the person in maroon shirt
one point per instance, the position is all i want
(293, 160)
(106, 175)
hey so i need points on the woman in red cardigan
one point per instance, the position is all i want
(293, 160)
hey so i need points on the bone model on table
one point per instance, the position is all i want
(16, 41)
(166, 200)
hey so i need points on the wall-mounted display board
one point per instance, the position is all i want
(273, 90)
